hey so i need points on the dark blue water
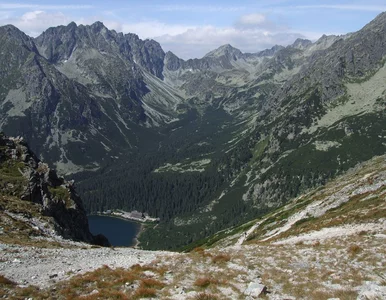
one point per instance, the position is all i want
(119, 232)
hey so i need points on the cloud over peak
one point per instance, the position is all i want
(34, 22)
(253, 19)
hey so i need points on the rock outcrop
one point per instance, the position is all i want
(41, 185)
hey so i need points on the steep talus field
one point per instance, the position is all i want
(203, 144)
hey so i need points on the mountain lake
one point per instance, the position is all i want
(120, 232)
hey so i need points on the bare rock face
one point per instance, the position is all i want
(60, 43)
(56, 196)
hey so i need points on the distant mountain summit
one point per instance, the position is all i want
(226, 50)
(60, 43)
(301, 44)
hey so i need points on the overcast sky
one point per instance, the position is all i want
(193, 28)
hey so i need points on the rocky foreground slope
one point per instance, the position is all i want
(327, 243)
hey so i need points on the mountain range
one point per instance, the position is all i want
(203, 144)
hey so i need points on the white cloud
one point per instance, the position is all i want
(250, 33)
(253, 19)
(198, 8)
(257, 21)
(43, 7)
(200, 40)
(34, 22)
(152, 29)
(5, 14)
(372, 8)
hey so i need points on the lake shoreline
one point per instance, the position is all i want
(136, 239)
(117, 217)
(105, 225)
(132, 216)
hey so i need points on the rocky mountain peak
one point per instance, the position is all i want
(267, 52)
(72, 25)
(325, 41)
(301, 44)
(170, 55)
(17, 36)
(15, 47)
(225, 50)
(97, 26)
(57, 44)
(324, 38)
(11, 30)
(172, 62)
(379, 19)
(376, 25)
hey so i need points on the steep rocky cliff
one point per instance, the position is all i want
(52, 206)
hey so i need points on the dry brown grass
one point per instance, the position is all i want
(205, 281)
(354, 249)
(6, 281)
(342, 294)
(198, 250)
(151, 283)
(325, 275)
(345, 294)
(221, 258)
(29, 292)
(106, 280)
(158, 269)
(205, 296)
(112, 284)
(109, 294)
(102, 283)
(144, 292)
(316, 244)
